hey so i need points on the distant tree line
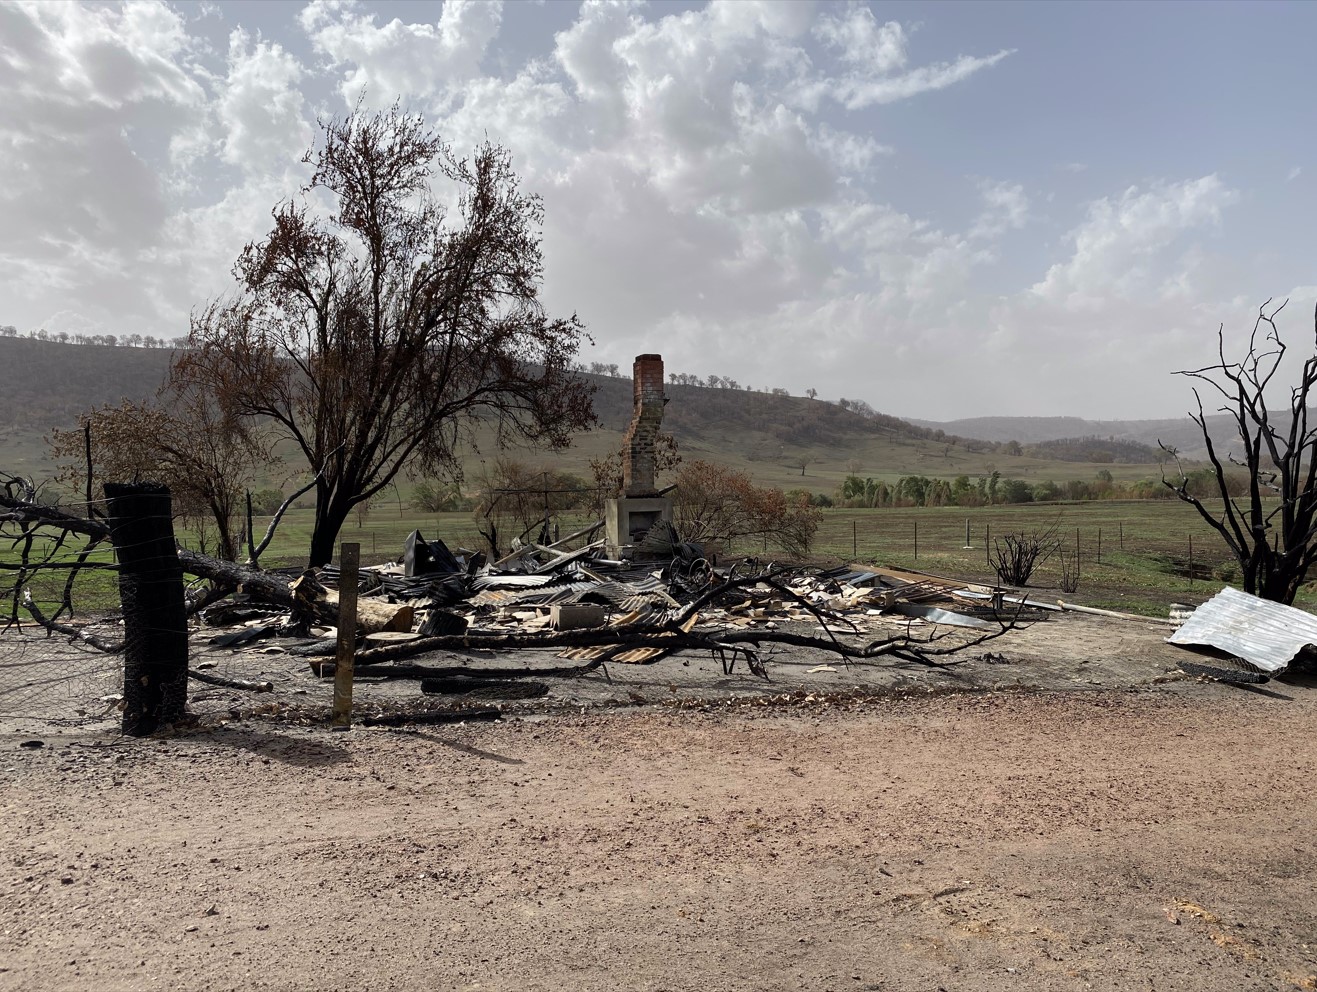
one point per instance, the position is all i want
(613, 371)
(104, 340)
(994, 489)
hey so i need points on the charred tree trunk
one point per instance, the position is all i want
(1272, 528)
(155, 619)
(331, 514)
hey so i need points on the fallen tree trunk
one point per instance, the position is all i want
(373, 615)
(264, 586)
(305, 593)
(326, 668)
(669, 638)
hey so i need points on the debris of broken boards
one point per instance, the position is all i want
(591, 609)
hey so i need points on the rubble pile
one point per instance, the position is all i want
(590, 609)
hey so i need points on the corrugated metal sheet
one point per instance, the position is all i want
(1263, 633)
(513, 580)
(934, 614)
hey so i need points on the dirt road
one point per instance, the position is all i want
(1157, 839)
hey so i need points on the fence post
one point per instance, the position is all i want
(968, 546)
(916, 540)
(855, 540)
(349, 559)
(1099, 547)
(154, 615)
(987, 544)
(1191, 561)
(1076, 553)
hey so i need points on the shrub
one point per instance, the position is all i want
(437, 497)
(714, 503)
(1015, 491)
(1015, 556)
(266, 502)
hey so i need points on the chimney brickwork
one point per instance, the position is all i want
(638, 469)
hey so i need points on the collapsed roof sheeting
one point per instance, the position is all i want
(1265, 634)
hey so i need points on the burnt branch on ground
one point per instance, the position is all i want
(43, 539)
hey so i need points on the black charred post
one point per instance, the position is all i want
(151, 592)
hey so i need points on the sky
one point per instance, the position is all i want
(946, 210)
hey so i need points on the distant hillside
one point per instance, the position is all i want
(48, 384)
(779, 440)
(1180, 433)
(701, 412)
(1026, 430)
(1094, 449)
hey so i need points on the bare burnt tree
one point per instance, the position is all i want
(516, 499)
(184, 439)
(378, 337)
(1015, 556)
(1271, 529)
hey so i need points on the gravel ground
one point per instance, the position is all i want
(1076, 817)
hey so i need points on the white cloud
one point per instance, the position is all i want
(851, 154)
(93, 96)
(864, 90)
(399, 58)
(783, 20)
(863, 42)
(876, 59)
(260, 107)
(1005, 208)
(1118, 247)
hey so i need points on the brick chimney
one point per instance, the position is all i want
(642, 436)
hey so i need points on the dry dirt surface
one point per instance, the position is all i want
(1158, 838)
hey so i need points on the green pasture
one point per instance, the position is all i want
(1134, 556)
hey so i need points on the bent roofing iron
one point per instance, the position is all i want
(1265, 634)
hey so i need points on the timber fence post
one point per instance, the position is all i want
(154, 615)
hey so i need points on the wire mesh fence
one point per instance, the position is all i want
(48, 681)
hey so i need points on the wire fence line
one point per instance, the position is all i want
(46, 680)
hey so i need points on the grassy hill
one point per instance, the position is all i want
(770, 436)
(779, 440)
(1180, 433)
(47, 385)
